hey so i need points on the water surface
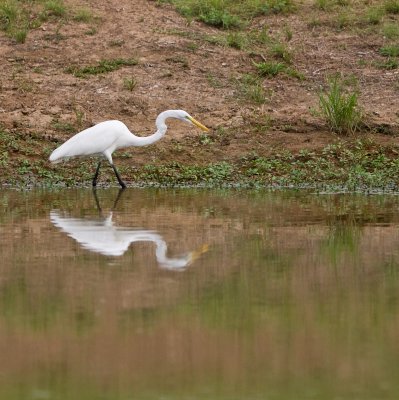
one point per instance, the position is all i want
(198, 294)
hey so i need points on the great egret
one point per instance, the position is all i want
(108, 136)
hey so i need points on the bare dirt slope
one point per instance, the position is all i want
(179, 67)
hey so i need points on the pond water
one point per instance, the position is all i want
(198, 294)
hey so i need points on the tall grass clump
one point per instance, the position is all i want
(13, 20)
(17, 17)
(340, 109)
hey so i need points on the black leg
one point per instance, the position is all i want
(96, 174)
(117, 198)
(97, 202)
(123, 186)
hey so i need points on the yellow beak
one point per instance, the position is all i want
(195, 122)
(197, 253)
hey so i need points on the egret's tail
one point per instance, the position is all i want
(57, 155)
(54, 157)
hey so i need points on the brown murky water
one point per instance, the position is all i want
(197, 294)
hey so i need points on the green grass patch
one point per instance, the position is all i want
(250, 88)
(392, 6)
(390, 31)
(270, 68)
(180, 174)
(374, 15)
(340, 109)
(274, 68)
(390, 51)
(83, 15)
(101, 67)
(130, 83)
(18, 17)
(15, 20)
(55, 8)
(390, 63)
(228, 14)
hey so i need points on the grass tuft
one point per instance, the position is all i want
(130, 83)
(101, 67)
(250, 88)
(392, 6)
(55, 8)
(228, 14)
(83, 15)
(390, 51)
(340, 110)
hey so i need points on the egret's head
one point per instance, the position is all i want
(186, 117)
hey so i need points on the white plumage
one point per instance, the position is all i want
(106, 137)
(102, 236)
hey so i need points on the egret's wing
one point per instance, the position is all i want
(94, 140)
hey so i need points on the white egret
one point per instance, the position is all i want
(106, 137)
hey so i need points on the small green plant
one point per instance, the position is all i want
(91, 31)
(390, 31)
(288, 33)
(83, 15)
(392, 6)
(340, 110)
(205, 139)
(192, 46)
(390, 63)
(20, 35)
(179, 60)
(101, 67)
(220, 19)
(390, 51)
(374, 15)
(116, 43)
(62, 126)
(129, 83)
(227, 14)
(214, 81)
(79, 117)
(250, 88)
(55, 8)
(281, 52)
(236, 40)
(270, 68)
(323, 5)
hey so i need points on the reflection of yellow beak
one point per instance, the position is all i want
(195, 122)
(194, 255)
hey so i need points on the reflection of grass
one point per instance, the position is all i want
(342, 238)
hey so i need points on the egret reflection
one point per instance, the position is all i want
(101, 235)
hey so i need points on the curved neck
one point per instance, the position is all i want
(161, 130)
